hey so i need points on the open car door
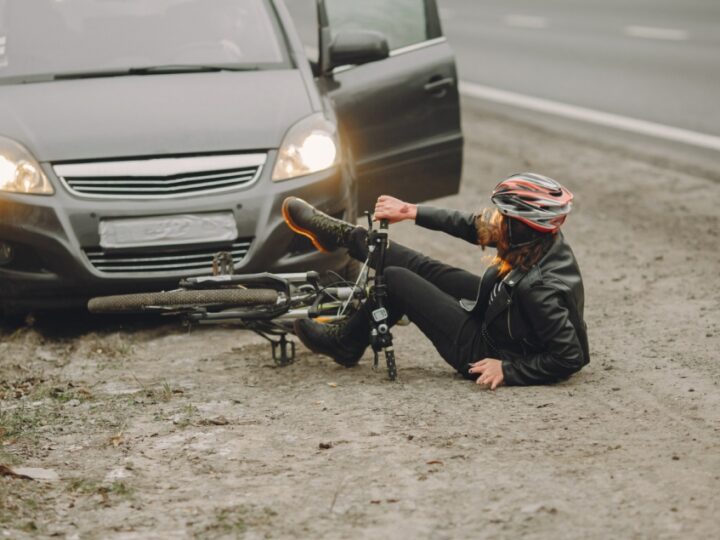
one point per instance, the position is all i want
(400, 113)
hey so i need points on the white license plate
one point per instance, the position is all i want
(168, 230)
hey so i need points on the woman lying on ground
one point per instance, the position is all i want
(520, 323)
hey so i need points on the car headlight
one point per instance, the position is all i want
(19, 170)
(309, 146)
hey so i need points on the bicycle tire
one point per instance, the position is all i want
(124, 303)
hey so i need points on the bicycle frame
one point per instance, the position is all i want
(380, 337)
(279, 300)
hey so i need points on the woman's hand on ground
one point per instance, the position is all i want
(393, 209)
(491, 372)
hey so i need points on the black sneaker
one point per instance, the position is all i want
(326, 233)
(331, 340)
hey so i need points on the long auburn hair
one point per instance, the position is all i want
(494, 230)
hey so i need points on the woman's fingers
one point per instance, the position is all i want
(480, 366)
(487, 377)
(389, 208)
(488, 380)
(382, 212)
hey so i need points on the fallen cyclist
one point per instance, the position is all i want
(520, 323)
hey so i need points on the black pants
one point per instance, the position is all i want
(428, 292)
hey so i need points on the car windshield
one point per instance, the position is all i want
(44, 39)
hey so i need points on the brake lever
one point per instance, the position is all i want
(368, 215)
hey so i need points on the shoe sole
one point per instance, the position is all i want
(299, 230)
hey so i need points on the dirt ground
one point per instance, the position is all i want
(159, 433)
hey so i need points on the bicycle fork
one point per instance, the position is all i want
(380, 337)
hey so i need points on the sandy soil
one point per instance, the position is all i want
(157, 433)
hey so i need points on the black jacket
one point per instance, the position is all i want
(535, 322)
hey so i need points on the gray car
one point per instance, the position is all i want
(137, 138)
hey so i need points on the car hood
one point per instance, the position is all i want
(153, 115)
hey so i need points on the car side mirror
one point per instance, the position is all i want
(355, 47)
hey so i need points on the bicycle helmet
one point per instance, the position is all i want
(538, 201)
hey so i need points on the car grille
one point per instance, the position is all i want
(199, 258)
(162, 177)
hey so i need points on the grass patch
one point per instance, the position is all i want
(84, 486)
(153, 393)
(225, 522)
(21, 429)
(23, 421)
(112, 349)
(235, 521)
(6, 458)
(228, 521)
(19, 388)
(186, 416)
(163, 393)
(20, 503)
(62, 393)
(107, 494)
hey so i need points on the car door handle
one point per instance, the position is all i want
(438, 86)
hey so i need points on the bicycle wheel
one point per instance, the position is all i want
(124, 303)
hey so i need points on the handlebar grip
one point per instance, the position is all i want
(384, 223)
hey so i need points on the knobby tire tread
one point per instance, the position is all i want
(124, 303)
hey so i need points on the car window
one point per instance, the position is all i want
(3, 34)
(304, 15)
(51, 36)
(402, 22)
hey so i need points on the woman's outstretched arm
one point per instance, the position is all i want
(454, 222)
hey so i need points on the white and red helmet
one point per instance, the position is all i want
(538, 201)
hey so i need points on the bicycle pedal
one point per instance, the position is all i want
(283, 351)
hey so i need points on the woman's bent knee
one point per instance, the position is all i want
(401, 281)
(398, 274)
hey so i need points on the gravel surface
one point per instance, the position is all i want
(154, 432)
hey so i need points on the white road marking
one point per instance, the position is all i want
(526, 21)
(649, 32)
(592, 116)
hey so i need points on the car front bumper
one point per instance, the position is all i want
(50, 237)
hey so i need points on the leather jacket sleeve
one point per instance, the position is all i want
(453, 222)
(561, 353)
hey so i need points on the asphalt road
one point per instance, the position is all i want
(654, 60)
